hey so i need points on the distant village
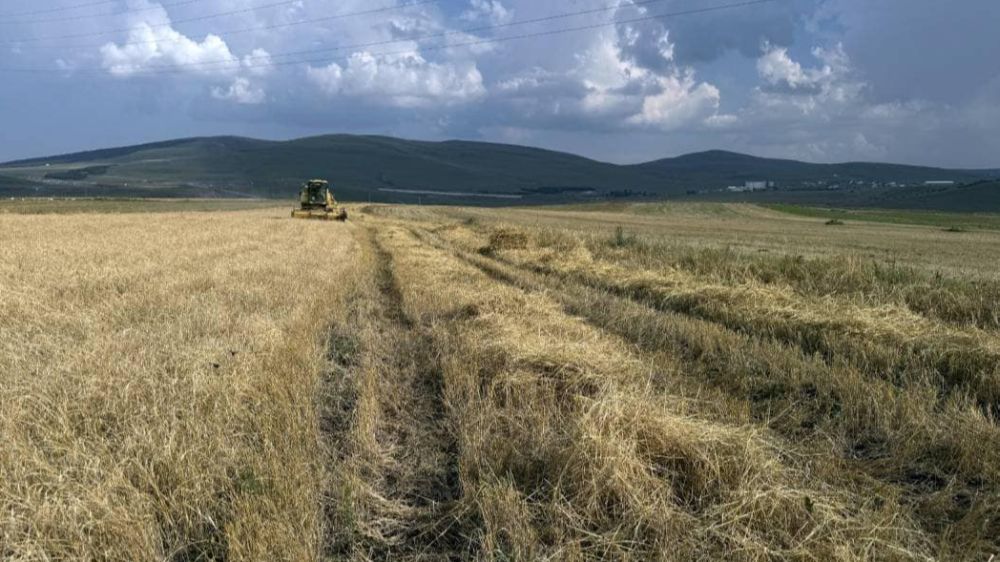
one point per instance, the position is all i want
(763, 185)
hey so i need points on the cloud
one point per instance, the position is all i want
(400, 80)
(681, 101)
(825, 89)
(644, 43)
(778, 69)
(817, 111)
(454, 42)
(943, 52)
(492, 12)
(782, 74)
(258, 62)
(151, 48)
(750, 79)
(624, 80)
(709, 36)
(152, 42)
(240, 91)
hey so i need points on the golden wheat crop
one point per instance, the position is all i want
(691, 382)
(876, 394)
(158, 377)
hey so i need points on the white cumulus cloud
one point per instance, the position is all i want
(152, 41)
(241, 91)
(490, 11)
(152, 44)
(403, 81)
(817, 111)
(680, 101)
(832, 79)
(617, 83)
(152, 47)
(258, 62)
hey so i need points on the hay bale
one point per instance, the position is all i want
(505, 238)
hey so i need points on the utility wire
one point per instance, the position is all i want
(86, 16)
(440, 35)
(233, 64)
(268, 27)
(58, 9)
(545, 33)
(157, 25)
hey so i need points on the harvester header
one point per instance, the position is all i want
(317, 202)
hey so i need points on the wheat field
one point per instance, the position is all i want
(649, 382)
(158, 382)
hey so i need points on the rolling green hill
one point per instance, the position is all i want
(949, 221)
(981, 196)
(360, 166)
(8, 183)
(719, 168)
(388, 169)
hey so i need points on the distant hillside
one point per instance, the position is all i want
(978, 197)
(359, 166)
(8, 183)
(982, 196)
(389, 169)
(719, 168)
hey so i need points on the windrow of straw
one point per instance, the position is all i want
(863, 280)
(568, 449)
(943, 278)
(887, 341)
(936, 460)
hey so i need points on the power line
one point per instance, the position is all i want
(440, 35)
(268, 27)
(236, 64)
(58, 9)
(86, 16)
(545, 33)
(159, 25)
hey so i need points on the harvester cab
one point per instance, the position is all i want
(316, 202)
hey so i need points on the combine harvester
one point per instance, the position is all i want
(317, 202)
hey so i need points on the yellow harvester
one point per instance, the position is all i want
(317, 202)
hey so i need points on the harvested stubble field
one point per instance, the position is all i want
(661, 382)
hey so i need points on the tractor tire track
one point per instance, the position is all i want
(399, 460)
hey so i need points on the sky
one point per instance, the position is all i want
(909, 81)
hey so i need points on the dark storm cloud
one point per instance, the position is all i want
(940, 51)
(646, 43)
(705, 37)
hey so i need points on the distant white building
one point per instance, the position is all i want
(755, 185)
(750, 186)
